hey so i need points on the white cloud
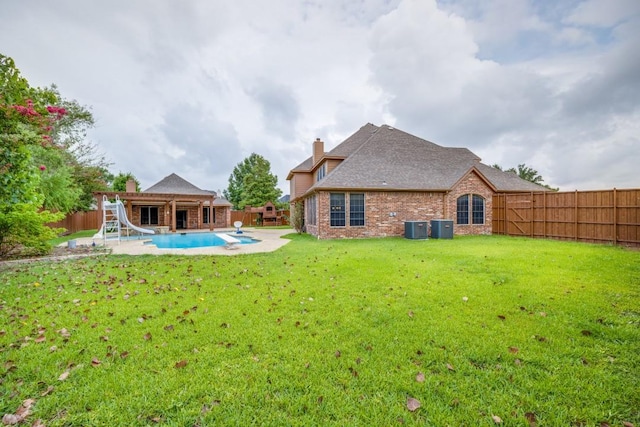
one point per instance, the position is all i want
(195, 87)
(604, 13)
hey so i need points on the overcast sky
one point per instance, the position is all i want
(194, 86)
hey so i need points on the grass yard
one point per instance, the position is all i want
(466, 332)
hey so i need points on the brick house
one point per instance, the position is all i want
(173, 204)
(380, 177)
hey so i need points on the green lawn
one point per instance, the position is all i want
(475, 329)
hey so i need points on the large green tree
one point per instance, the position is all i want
(79, 157)
(252, 184)
(120, 181)
(26, 125)
(528, 174)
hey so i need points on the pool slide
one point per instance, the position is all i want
(120, 213)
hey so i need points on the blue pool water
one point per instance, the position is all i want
(192, 240)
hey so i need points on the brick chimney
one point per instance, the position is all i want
(318, 150)
(131, 186)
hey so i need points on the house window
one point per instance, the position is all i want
(462, 209)
(356, 209)
(322, 171)
(311, 210)
(149, 215)
(205, 215)
(477, 209)
(337, 210)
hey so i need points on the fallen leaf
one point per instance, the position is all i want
(496, 419)
(627, 424)
(420, 377)
(501, 317)
(585, 333)
(53, 348)
(95, 362)
(124, 354)
(543, 314)
(63, 376)
(410, 313)
(517, 362)
(47, 391)
(181, 364)
(147, 336)
(412, 404)
(10, 419)
(531, 418)
(514, 350)
(338, 354)
(38, 423)
(40, 338)
(450, 367)
(605, 424)
(21, 413)
(168, 328)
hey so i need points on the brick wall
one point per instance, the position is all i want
(470, 184)
(386, 212)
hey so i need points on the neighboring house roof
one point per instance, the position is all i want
(221, 201)
(284, 199)
(173, 184)
(384, 158)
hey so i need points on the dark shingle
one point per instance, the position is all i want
(387, 158)
(173, 184)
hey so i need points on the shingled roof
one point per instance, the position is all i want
(384, 158)
(174, 184)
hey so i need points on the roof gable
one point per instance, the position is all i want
(387, 159)
(174, 184)
(393, 159)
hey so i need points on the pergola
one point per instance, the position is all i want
(169, 202)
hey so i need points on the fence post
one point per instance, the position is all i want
(531, 213)
(544, 213)
(615, 216)
(575, 225)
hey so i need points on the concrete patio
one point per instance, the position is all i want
(270, 239)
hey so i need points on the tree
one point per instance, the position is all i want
(119, 182)
(26, 121)
(297, 217)
(88, 167)
(252, 184)
(528, 174)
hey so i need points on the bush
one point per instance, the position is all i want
(23, 231)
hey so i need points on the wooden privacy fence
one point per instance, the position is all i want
(607, 216)
(80, 221)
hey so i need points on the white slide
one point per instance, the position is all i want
(113, 215)
(122, 214)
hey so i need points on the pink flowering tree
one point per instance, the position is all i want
(24, 125)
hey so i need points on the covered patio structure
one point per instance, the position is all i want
(172, 204)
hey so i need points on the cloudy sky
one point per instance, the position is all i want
(194, 86)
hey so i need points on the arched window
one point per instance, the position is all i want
(477, 209)
(462, 210)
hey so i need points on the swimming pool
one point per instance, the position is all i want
(192, 240)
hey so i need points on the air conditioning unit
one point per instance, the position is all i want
(416, 229)
(441, 229)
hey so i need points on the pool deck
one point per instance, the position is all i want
(269, 240)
